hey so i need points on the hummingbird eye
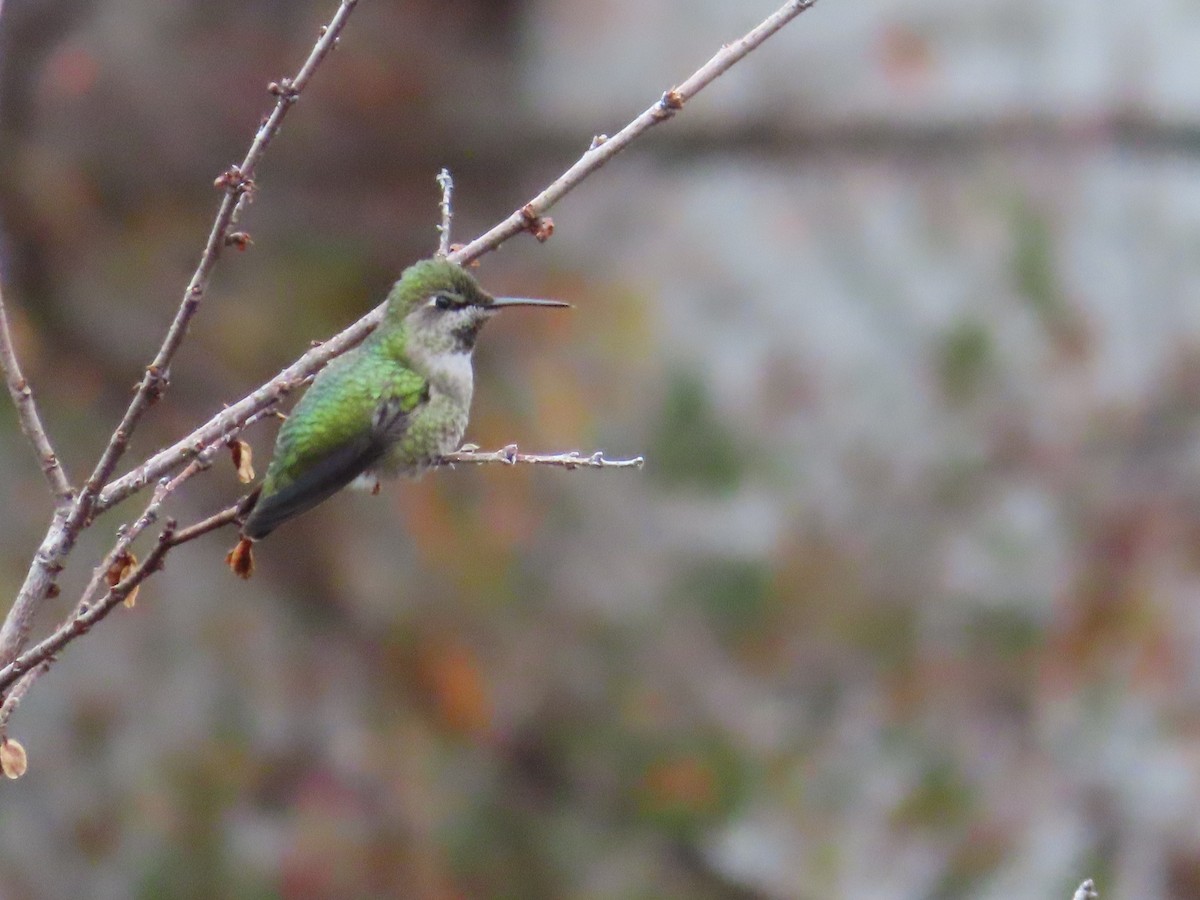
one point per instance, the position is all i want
(444, 301)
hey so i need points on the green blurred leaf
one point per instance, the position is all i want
(1035, 272)
(941, 799)
(733, 594)
(693, 447)
(963, 360)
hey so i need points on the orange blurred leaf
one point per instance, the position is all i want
(458, 689)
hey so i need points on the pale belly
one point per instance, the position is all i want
(436, 429)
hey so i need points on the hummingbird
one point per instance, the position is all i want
(388, 407)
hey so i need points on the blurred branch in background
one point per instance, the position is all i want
(120, 570)
(31, 422)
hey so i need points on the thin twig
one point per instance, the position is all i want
(228, 421)
(237, 183)
(510, 455)
(86, 615)
(447, 185)
(31, 422)
(204, 526)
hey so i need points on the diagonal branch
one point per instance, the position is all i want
(528, 217)
(31, 422)
(33, 663)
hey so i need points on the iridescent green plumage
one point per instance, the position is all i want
(389, 406)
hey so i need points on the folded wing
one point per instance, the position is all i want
(341, 427)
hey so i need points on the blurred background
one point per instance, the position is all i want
(904, 313)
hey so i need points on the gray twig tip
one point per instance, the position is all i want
(446, 182)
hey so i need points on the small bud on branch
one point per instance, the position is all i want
(13, 760)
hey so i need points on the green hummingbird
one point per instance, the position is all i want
(388, 407)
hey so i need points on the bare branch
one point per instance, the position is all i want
(217, 520)
(237, 183)
(447, 185)
(34, 661)
(510, 455)
(31, 422)
(528, 217)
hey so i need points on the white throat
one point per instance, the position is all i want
(450, 374)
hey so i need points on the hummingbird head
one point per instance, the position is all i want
(441, 307)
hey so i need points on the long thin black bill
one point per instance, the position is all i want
(526, 301)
